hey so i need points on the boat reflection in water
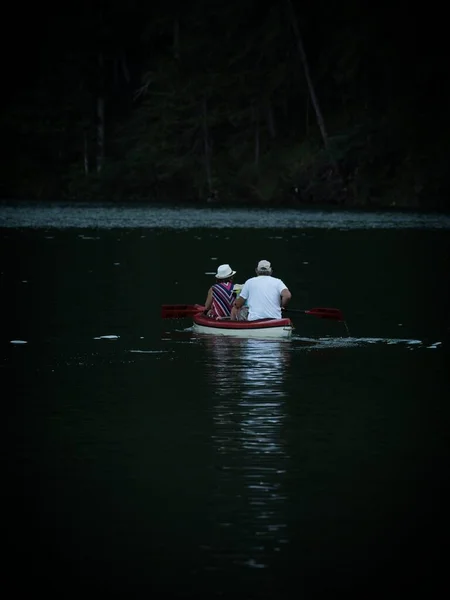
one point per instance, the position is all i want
(247, 377)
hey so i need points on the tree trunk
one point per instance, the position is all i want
(125, 70)
(256, 138)
(116, 72)
(121, 70)
(207, 148)
(176, 38)
(312, 93)
(315, 101)
(86, 154)
(270, 121)
(307, 117)
(100, 116)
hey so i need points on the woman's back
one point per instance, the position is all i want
(223, 299)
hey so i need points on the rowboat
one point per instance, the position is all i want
(265, 328)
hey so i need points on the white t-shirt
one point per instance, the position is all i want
(263, 295)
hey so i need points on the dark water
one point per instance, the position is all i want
(158, 461)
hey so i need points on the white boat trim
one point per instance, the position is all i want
(283, 331)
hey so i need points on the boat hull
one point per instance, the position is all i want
(267, 328)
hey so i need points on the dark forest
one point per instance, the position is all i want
(282, 102)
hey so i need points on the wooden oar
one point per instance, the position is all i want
(180, 311)
(322, 313)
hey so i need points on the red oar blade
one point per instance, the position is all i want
(180, 311)
(326, 313)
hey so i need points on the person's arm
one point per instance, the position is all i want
(238, 303)
(209, 299)
(285, 297)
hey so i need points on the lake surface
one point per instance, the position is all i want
(142, 458)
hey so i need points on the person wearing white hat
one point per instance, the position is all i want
(265, 295)
(221, 296)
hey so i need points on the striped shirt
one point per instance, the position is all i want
(223, 298)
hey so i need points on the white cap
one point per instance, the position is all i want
(224, 271)
(264, 265)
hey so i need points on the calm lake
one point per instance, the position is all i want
(142, 458)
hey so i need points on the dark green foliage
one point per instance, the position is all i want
(210, 101)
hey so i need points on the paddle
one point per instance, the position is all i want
(180, 311)
(322, 313)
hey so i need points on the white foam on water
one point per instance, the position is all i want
(350, 342)
(18, 342)
(107, 337)
(149, 351)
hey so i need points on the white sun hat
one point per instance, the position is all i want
(224, 271)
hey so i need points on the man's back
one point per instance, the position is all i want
(263, 295)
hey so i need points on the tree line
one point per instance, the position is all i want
(278, 102)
